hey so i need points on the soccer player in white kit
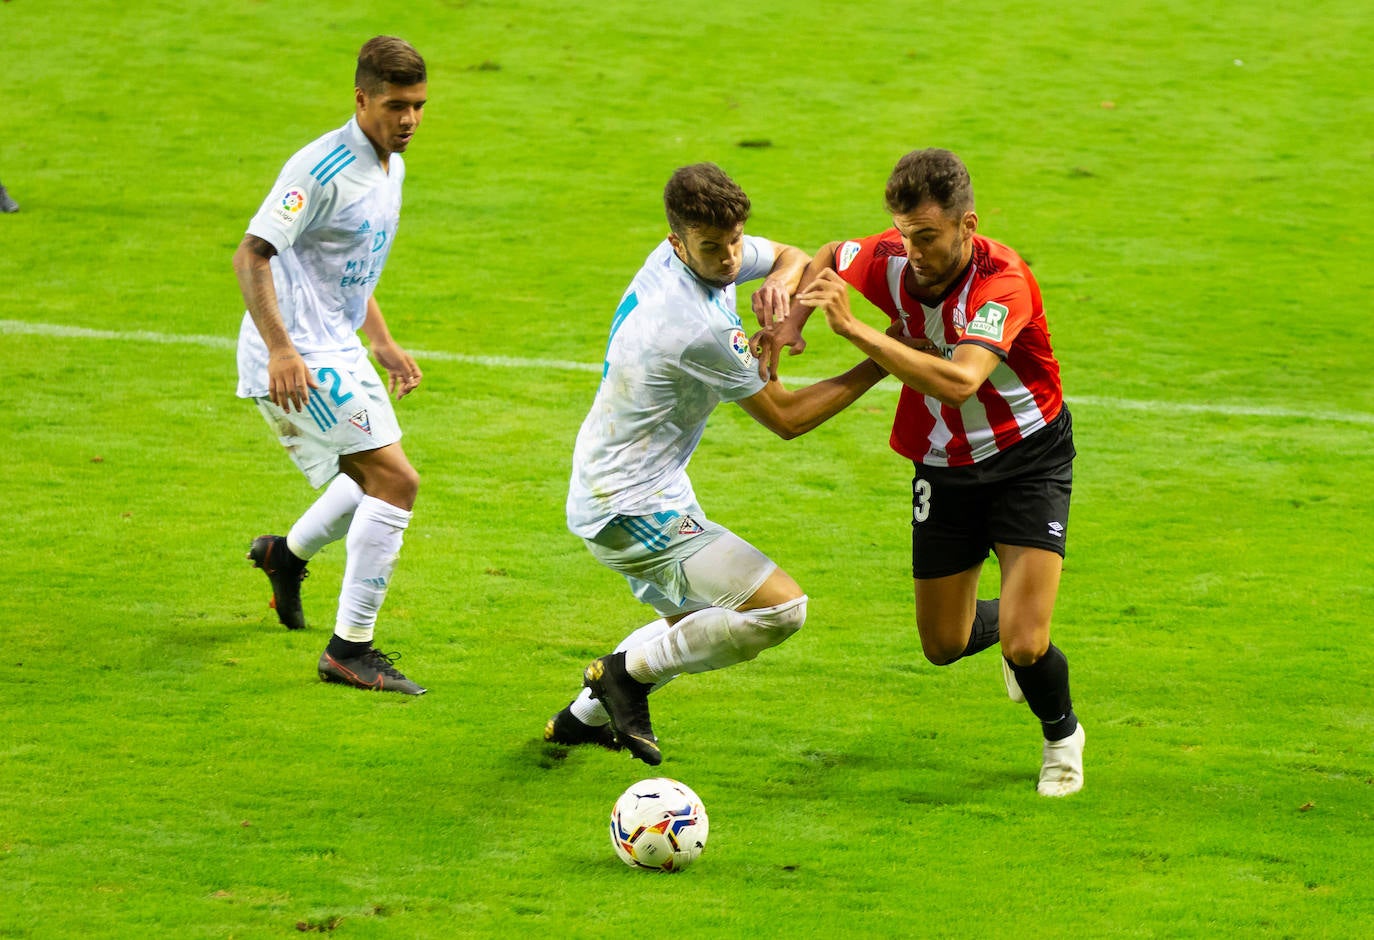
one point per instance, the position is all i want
(307, 268)
(677, 348)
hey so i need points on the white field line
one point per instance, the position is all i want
(19, 327)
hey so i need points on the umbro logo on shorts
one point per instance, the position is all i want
(1057, 529)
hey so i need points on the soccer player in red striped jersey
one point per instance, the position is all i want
(982, 418)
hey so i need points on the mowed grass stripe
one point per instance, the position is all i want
(19, 327)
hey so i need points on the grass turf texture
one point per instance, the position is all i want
(1187, 186)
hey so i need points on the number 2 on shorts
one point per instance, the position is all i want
(330, 376)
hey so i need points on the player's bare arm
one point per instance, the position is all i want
(403, 373)
(771, 300)
(289, 380)
(769, 343)
(951, 381)
(790, 414)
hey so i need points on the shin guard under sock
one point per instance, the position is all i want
(1045, 683)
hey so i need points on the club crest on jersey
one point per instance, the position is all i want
(989, 322)
(359, 420)
(846, 255)
(689, 526)
(739, 344)
(292, 203)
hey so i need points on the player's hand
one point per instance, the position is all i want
(403, 374)
(770, 303)
(767, 346)
(289, 380)
(919, 343)
(830, 293)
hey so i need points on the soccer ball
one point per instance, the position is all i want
(659, 824)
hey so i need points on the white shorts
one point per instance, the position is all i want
(678, 562)
(349, 413)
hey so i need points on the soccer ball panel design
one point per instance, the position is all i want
(659, 824)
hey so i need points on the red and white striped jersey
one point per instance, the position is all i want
(997, 305)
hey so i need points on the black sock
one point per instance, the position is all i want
(1045, 683)
(984, 632)
(340, 648)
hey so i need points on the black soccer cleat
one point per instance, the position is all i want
(373, 671)
(627, 700)
(286, 572)
(564, 728)
(7, 203)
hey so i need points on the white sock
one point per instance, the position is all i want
(374, 541)
(713, 638)
(588, 710)
(327, 519)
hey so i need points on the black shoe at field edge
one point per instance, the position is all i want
(565, 729)
(286, 572)
(373, 671)
(627, 700)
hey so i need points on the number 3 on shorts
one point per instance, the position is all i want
(920, 500)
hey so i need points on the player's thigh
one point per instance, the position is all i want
(945, 608)
(349, 413)
(681, 561)
(1030, 586)
(730, 572)
(779, 588)
(385, 473)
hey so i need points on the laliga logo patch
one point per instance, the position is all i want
(739, 343)
(689, 526)
(846, 255)
(290, 206)
(359, 420)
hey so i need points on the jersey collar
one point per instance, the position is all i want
(359, 143)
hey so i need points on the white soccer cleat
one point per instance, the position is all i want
(1062, 770)
(1013, 687)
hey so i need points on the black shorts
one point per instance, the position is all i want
(1017, 497)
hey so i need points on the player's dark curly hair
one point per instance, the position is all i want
(702, 195)
(387, 60)
(930, 175)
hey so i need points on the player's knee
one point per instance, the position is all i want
(786, 619)
(410, 481)
(769, 626)
(941, 654)
(400, 485)
(1023, 651)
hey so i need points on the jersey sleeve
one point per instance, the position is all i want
(1002, 308)
(720, 359)
(863, 263)
(757, 260)
(297, 199)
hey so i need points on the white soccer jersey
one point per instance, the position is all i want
(676, 350)
(332, 217)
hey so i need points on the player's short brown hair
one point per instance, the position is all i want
(702, 195)
(930, 175)
(387, 60)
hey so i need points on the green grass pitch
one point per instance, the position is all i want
(1190, 183)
